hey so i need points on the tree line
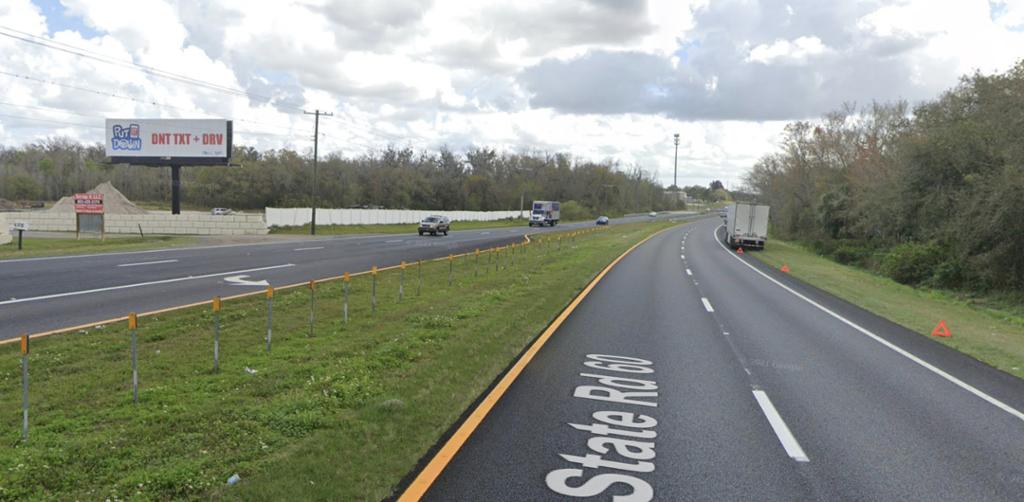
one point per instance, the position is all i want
(931, 194)
(394, 178)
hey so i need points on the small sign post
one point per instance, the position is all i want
(20, 227)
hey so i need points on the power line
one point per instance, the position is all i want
(149, 70)
(249, 132)
(129, 98)
(51, 121)
(47, 108)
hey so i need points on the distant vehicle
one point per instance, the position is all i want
(221, 211)
(602, 220)
(545, 212)
(652, 214)
(434, 225)
(746, 225)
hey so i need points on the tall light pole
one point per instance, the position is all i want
(675, 168)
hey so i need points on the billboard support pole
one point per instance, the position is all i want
(175, 189)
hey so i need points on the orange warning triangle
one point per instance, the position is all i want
(941, 330)
(739, 250)
(785, 268)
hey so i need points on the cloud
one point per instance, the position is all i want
(597, 78)
(785, 51)
(774, 60)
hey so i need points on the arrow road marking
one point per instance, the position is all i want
(140, 284)
(239, 280)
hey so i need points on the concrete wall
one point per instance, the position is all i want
(191, 223)
(5, 235)
(285, 217)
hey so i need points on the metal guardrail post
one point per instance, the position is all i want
(270, 315)
(133, 326)
(346, 280)
(373, 292)
(401, 282)
(24, 387)
(312, 306)
(216, 334)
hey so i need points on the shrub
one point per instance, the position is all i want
(572, 210)
(848, 254)
(912, 263)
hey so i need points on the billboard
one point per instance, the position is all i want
(165, 142)
(89, 203)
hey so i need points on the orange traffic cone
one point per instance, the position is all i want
(739, 250)
(941, 329)
(785, 268)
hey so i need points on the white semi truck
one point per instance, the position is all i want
(746, 225)
(545, 212)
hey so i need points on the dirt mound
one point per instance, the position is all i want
(114, 202)
(6, 205)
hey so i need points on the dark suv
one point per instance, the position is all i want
(434, 225)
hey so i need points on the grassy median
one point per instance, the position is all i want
(343, 414)
(397, 228)
(36, 247)
(991, 334)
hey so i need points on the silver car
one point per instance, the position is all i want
(434, 225)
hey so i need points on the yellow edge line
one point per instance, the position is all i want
(233, 297)
(430, 473)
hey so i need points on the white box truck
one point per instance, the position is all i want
(545, 212)
(746, 225)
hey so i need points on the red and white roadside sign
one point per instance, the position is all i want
(88, 203)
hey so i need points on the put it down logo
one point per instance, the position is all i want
(126, 138)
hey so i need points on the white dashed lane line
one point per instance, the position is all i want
(146, 263)
(785, 436)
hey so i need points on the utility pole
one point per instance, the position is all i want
(316, 143)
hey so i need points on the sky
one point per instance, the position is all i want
(600, 79)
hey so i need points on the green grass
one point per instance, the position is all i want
(981, 330)
(35, 247)
(341, 415)
(401, 228)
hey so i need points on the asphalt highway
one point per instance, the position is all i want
(42, 294)
(691, 373)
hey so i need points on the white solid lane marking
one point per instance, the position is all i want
(146, 263)
(895, 348)
(707, 305)
(789, 442)
(688, 272)
(310, 249)
(140, 284)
